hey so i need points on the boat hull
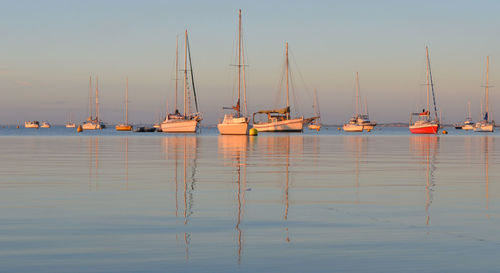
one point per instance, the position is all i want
(467, 127)
(123, 127)
(91, 126)
(484, 128)
(424, 129)
(71, 125)
(179, 126)
(352, 128)
(290, 125)
(233, 128)
(316, 127)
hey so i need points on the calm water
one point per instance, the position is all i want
(379, 202)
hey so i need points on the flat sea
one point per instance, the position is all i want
(328, 201)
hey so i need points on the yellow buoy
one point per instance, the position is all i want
(445, 132)
(253, 132)
(79, 129)
(17, 127)
(368, 130)
(338, 128)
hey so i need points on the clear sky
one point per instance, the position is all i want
(49, 48)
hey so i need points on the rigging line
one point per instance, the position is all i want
(300, 74)
(277, 99)
(192, 76)
(432, 88)
(294, 95)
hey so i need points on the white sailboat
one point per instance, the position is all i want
(45, 124)
(125, 126)
(236, 123)
(31, 124)
(186, 122)
(352, 125)
(279, 120)
(70, 124)
(316, 124)
(467, 124)
(486, 125)
(93, 123)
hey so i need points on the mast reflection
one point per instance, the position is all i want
(426, 148)
(234, 149)
(93, 152)
(188, 146)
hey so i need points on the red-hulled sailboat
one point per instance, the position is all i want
(423, 123)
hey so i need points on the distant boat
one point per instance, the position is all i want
(45, 125)
(31, 124)
(236, 123)
(70, 124)
(186, 122)
(424, 124)
(353, 125)
(93, 123)
(316, 124)
(467, 124)
(125, 126)
(486, 125)
(279, 120)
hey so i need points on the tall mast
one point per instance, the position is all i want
(357, 94)
(427, 75)
(287, 92)
(176, 68)
(432, 88)
(487, 87)
(239, 62)
(90, 98)
(366, 107)
(185, 72)
(126, 103)
(468, 106)
(97, 98)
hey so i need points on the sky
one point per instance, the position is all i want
(50, 48)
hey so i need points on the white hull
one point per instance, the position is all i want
(70, 125)
(291, 125)
(352, 128)
(233, 128)
(31, 126)
(368, 127)
(484, 127)
(45, 125)
(91, 126)
(179, 126)
(468, 127)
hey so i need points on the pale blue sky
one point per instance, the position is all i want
(49, 49)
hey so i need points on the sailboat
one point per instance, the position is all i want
(125, 126)
(423, 123)
(93, 123)
(70, 124)
(45, 124)
(279, 120)
(352, 125)
(236, 123)
(315, 124)
(32, 124)
(486, 125)
(186, 122)
(467, 124)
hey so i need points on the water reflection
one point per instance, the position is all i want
(357, 147)
(486, 148)
(188, 147)
(93, 164)
(234, 150)
(426, 148)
